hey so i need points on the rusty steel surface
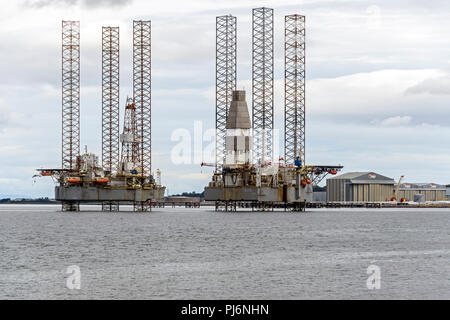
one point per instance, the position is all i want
(262, 84)
(294, 88)
(110, 98)
(70, 94)
(226, 46)
(89, 194)
(142, 89)
(259, 194)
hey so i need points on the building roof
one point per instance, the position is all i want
(366, 177)
(421, 186)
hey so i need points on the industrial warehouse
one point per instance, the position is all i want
(360, 186)
(374, 187)
(421, 192)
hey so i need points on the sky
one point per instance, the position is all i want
(377, 91)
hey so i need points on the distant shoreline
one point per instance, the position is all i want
(429, 205)
(31, 202)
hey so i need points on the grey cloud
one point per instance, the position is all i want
(85, 3)
(429, 4)
(102, 3)
(45, 3)
(435, 86)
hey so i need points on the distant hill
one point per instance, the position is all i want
(14, 196)
(189, 194)
(27, 200)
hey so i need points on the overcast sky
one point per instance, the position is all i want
(377, 93)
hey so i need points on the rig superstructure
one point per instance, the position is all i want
(246, 170)
(125, 174)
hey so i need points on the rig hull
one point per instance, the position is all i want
(94, 194)
(280, 194)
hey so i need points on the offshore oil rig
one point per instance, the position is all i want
(125, 174)
(246, 171)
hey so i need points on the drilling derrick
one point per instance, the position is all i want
(110, 99)
(129, 138)
(226, 46)
(262, 84)
(294, 88)
(142, 86)
(70, 94)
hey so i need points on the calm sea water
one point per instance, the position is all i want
(201, 254)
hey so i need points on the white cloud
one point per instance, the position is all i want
(436, 85)
(397, 121)
(4, 116)
(419, 152)
(372, 97)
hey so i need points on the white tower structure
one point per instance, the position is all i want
(238, 140)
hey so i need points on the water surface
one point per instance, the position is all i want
(178, 253)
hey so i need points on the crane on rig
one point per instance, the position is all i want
(394, 198)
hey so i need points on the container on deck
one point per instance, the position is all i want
(419, 197)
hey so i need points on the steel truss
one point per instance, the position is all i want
(110, 98)
(70, 94)
(142, 89)
(226, 52)
(294, 88)
(262, 84)
(110, 206)
(142, 206)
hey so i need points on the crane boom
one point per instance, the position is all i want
(396, 188)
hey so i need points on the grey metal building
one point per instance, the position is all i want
(360, 187)
(430, 191)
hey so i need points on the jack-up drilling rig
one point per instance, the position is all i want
(122, 178)
(246, 172)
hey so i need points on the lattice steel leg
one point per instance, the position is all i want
(294, 88)
(70, 94)
(226, 46)
(70, 206)
(262, 84)
(142, 86)
(110, 98)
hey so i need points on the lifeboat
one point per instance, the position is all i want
(303, 183)
(308, 181)
(333, 171)
(102, 180)
(73, 180)
(46, 173)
